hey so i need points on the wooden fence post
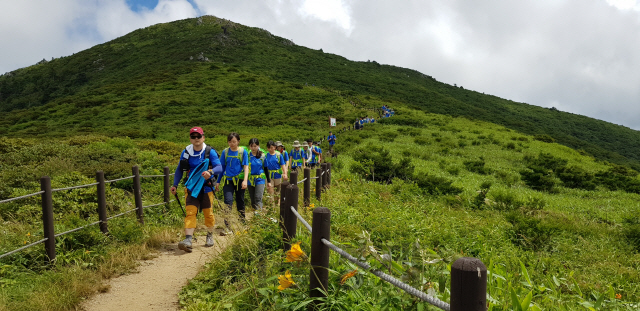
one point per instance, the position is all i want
(167, 186)
(290, 220)
(47, 218)
(284, 196)
(318, 183)
(102, 202)
(468, 285)
(137, 193)
(293, 177)
(319, 274)
(323, 167)
(307, 187)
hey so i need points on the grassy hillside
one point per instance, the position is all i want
(566, 248)
(462, 173)
(144, 77)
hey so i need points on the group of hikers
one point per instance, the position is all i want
(386, 113)
(235, 170)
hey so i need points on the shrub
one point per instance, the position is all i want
(421, 141)
(544, 138)
(505, 200)
(576, 177)
(376, 164)
(477, 166)
(528, 232)
(435, 185)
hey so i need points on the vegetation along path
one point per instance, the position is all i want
(156, 285)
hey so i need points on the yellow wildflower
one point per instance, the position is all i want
(312, 205)
(28, 233)
(25, 242)
(618, 296)
(295, 253)
(285, 281)
(348, 276)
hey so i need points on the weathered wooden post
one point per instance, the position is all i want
(325, 175)
(293, 177)
(319, 274)
(102, 202)
(318, 183)
(468, 285)
(290, 219)
(137, 193)
(307, 187)
(47, 218)
(284, 197)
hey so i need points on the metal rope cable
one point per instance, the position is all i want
(145, 176)
(407, 288)
(304, 222)
(315, 177)
(127, 212)
(21, 248)
(74, 187)
(76, 229)
(157, 204)
(119, 179)
(21, 197)
(301, 181)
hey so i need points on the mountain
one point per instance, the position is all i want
(157, 80)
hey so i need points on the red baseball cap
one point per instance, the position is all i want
(196, 129)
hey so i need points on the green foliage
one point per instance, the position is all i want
(530, 232)
(477, 166)
(435, 185)
(376, 163)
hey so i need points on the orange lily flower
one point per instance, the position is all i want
(296, 253)
(348, 276)
(285, 281)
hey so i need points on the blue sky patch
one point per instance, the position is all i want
(139, 5)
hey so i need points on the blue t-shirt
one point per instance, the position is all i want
(231, 164)
(332, 139)
(194, 160)
(296, 155)
(273, 163)
(285, 155)
(256, 169)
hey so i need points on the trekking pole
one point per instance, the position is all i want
(182, 208)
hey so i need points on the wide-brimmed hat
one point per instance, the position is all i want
(296, 144)
(279, 144)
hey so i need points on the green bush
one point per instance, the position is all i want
(435, 185)
(477, 166)
(529, 232)
(576, 177)
(376, 164)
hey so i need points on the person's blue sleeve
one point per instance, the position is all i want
(223, 167)
(319, 150)
(245, 158)
(281, 160)
(215, 162)
(178, 173)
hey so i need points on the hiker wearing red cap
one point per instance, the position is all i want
(196, 198)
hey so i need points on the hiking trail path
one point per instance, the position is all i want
(157, 282)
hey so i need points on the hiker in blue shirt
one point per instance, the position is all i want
(275, 167)
(297, 156)
(235, 177)
(332, 141)
(283, 152)
(193, 161)
(373, 120)
(257, 177)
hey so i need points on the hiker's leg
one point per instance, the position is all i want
(240, 200)
(259, 191)
(209, 219)
(252, 196)
(228, 191)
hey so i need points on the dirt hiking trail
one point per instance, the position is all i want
(158, 281)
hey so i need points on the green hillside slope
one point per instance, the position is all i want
(158, 69)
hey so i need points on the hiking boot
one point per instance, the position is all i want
(185, 245)
(209, 242)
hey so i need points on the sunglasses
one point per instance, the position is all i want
(195, 136)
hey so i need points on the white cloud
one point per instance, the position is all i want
(329, 11)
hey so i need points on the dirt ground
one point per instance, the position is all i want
(158, 281)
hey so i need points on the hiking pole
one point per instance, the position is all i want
(182, 208)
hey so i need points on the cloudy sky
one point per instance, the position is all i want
(580, 56)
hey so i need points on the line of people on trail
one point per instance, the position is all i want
(386, 113)
(235, 170)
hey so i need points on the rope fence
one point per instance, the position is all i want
(468, 275)
(74, 187)
(47, 207)
(22, 197)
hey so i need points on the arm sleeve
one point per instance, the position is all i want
(223, 167)
(245, 158)
(215, 163)
(178, 173)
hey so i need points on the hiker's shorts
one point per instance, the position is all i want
(202, 202)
